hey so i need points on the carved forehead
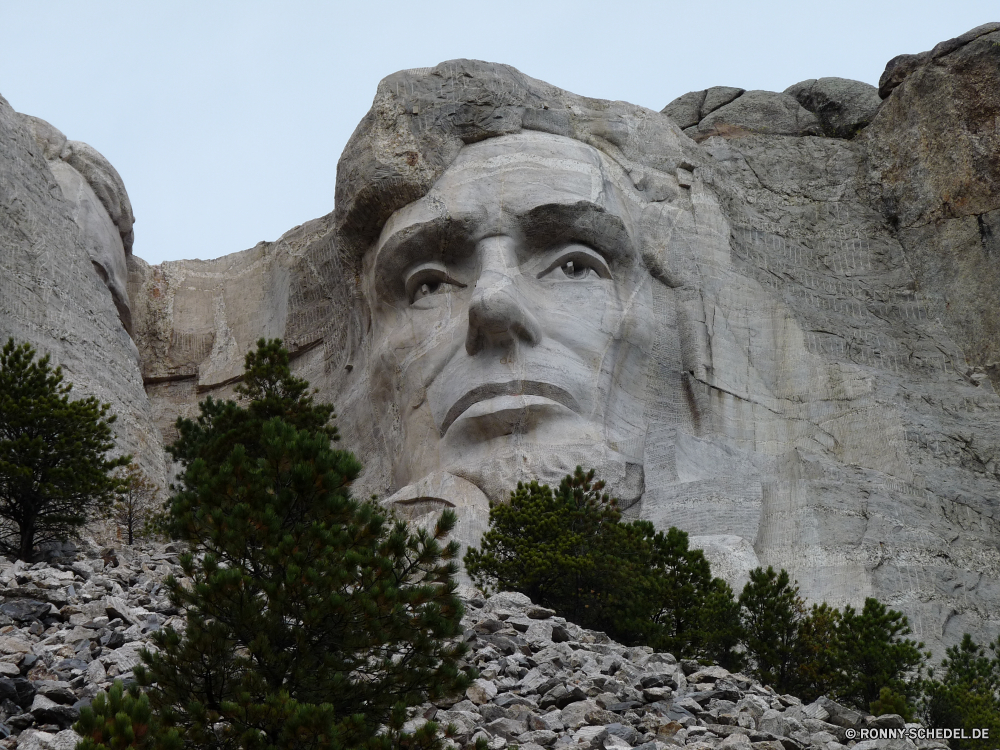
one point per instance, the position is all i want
(514, 174)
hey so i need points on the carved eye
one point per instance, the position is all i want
(427, 289)
(428, 280)
(576, 270)
(576, 262)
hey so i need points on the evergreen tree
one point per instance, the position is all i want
(568, 550)
(771, 611)
(312, 620)
(565, 550)
(818, 655)
(135, 504)
(55, 474)
(875, 654)
(721, 627)
(118, 719)
(693, 614)
(967, 695)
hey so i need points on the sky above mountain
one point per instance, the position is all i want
(226, 119)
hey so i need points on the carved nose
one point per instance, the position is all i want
(498, 313)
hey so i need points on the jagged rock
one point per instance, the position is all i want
(24, 610)
(481, 691)
(47, 711)
(899, 67)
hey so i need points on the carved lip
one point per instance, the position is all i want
(510, 388)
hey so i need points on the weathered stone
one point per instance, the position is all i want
(708, 674)
(25, 610)
(13, 645)
(47, 711)
(760, 112)
(685, 110)
(507, 728)
(735, 742)
(116, 607)
(574, 715)
(481, 691)
(803, 366)
(899, 67)
(843, 106)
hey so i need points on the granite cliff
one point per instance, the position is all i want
(813, 288)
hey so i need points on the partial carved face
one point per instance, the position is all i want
(508, 310)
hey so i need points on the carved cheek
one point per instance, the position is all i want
(583, 320)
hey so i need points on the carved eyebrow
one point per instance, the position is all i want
(437, 239)
(585, 222)
(442, 238)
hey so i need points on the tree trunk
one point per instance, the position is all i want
(27, 542)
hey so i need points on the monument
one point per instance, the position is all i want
(766, 318)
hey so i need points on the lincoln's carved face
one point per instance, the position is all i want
(508, 312)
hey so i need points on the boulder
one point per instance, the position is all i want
(843, 106)
(758, 113)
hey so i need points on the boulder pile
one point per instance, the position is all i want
(70, 626)
(547, 683)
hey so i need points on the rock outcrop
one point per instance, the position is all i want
(65, 228)
(810, 276)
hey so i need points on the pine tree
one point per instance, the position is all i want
(311, 619)
(693, 613)
(564, 549)
(771, 611)
(135, 504)
(54, 471)
(967, 695)
(874, 654)
(117, 720)
(818, 655)
(568, 550)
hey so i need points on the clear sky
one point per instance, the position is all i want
(226, 119)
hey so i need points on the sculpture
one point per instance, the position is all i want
(512, 318)
(791, 356)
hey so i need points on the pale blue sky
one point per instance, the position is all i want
(226, 119)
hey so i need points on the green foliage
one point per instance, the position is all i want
(818, 654)
(692, 613)
(891, 702)
(967, 695)
(568, 550)
(848, 656)
(54, 471)
(312, 620)
(771, 611)
(134, 504)
(564, 549)
(118, 719)
(875, 654)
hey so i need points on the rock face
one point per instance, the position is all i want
(65, 230)
(774, 329)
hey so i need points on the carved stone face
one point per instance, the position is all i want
(508, 311)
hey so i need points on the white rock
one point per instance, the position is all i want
(481, 691)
